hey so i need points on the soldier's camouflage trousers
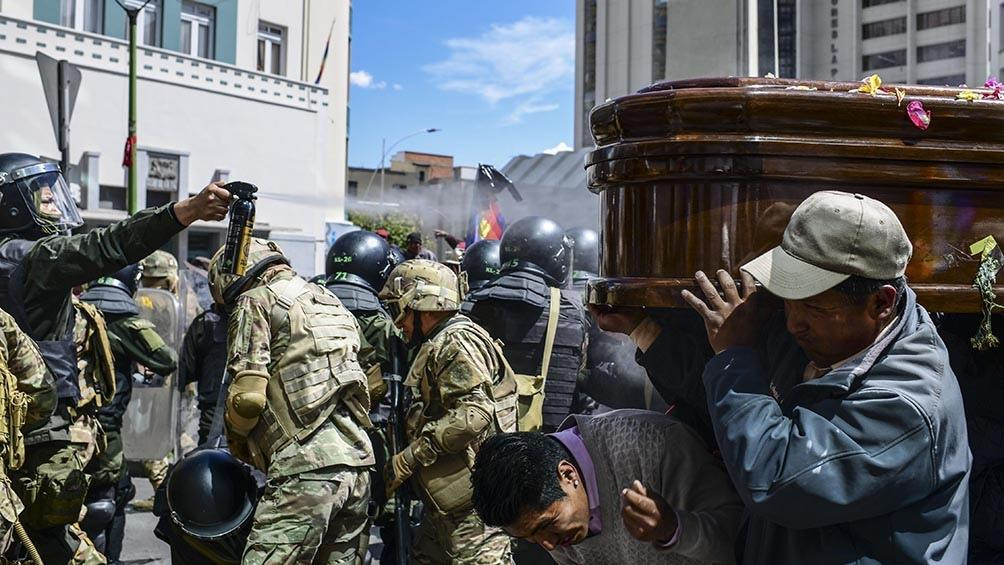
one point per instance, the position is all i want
(459, 538)
(108, 466)
(317, 518)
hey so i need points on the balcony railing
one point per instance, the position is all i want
(111, 55)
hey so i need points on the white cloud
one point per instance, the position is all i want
(363, 79)
(531, 106)
(559, 148)
(529, 57)
(398, 86)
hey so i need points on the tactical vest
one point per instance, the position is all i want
(318, 372)
(95, 362)
(59, 354)
(446, 483)
(515, 309)
(13, 408)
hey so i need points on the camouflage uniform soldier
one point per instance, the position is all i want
(27, 397)
(464, 392)
(133, 343)
(296, 410)
(39, 265)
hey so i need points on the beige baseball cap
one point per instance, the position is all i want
(831, 236)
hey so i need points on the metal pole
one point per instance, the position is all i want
(133, 200)
(63, 106)
(777, 61)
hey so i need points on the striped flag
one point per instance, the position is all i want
(487, 221)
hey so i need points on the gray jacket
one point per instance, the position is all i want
(866, 464)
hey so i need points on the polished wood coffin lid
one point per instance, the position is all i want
(703, 174)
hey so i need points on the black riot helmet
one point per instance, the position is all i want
(481, 263)
(360, 257)
(211, 499)
(396, 256)
(35, 200)
(585, 250)
(127, 278)
(537, 245)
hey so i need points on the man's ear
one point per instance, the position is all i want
(567, 473)
(883, 303)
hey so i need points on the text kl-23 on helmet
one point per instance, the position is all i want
(537, 245)
(35, 200)
(481, 263)
(360, 257)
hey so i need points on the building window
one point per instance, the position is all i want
(939, 51)
(147, 22)
(950, 80)
(1000, 28)
(883, 28)
(353, 188)
(85, 15)
(659, 25)
(271, 49)
(895, 58)
(786, 37)
(870, 3)
(198, 29)
(938, 18)
(588, 68)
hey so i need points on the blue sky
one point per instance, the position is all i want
(496, 76)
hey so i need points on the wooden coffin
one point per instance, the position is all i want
(704, 174)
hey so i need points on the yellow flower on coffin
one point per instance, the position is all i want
(872, 85)
(968, 95)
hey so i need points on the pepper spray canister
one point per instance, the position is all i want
(235, 255)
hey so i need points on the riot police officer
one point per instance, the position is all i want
(39, 265)
(517, 308)
(481, 263)
(134, 344)
(357, 266)
(296, 410)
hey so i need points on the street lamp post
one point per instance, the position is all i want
(384, 150)
(132, 14)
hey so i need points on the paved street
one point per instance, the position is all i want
(141, 546)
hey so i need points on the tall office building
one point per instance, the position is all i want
(624, 45)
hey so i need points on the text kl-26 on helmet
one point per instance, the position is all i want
(360, 257)
(35, 200)
(537, 245)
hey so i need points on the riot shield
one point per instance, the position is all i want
(149, 429)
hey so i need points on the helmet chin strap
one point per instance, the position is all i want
(417, 335)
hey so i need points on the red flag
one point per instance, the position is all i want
(127, 156)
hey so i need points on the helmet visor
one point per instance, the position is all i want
(52, 204)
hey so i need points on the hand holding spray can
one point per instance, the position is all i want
(235, 256)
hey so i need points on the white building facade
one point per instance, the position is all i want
(227, 90)
(624, 45)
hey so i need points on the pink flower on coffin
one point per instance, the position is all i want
(998, 89)
(992, 82)
(918, 115)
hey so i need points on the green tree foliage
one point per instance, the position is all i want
(399, 225)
